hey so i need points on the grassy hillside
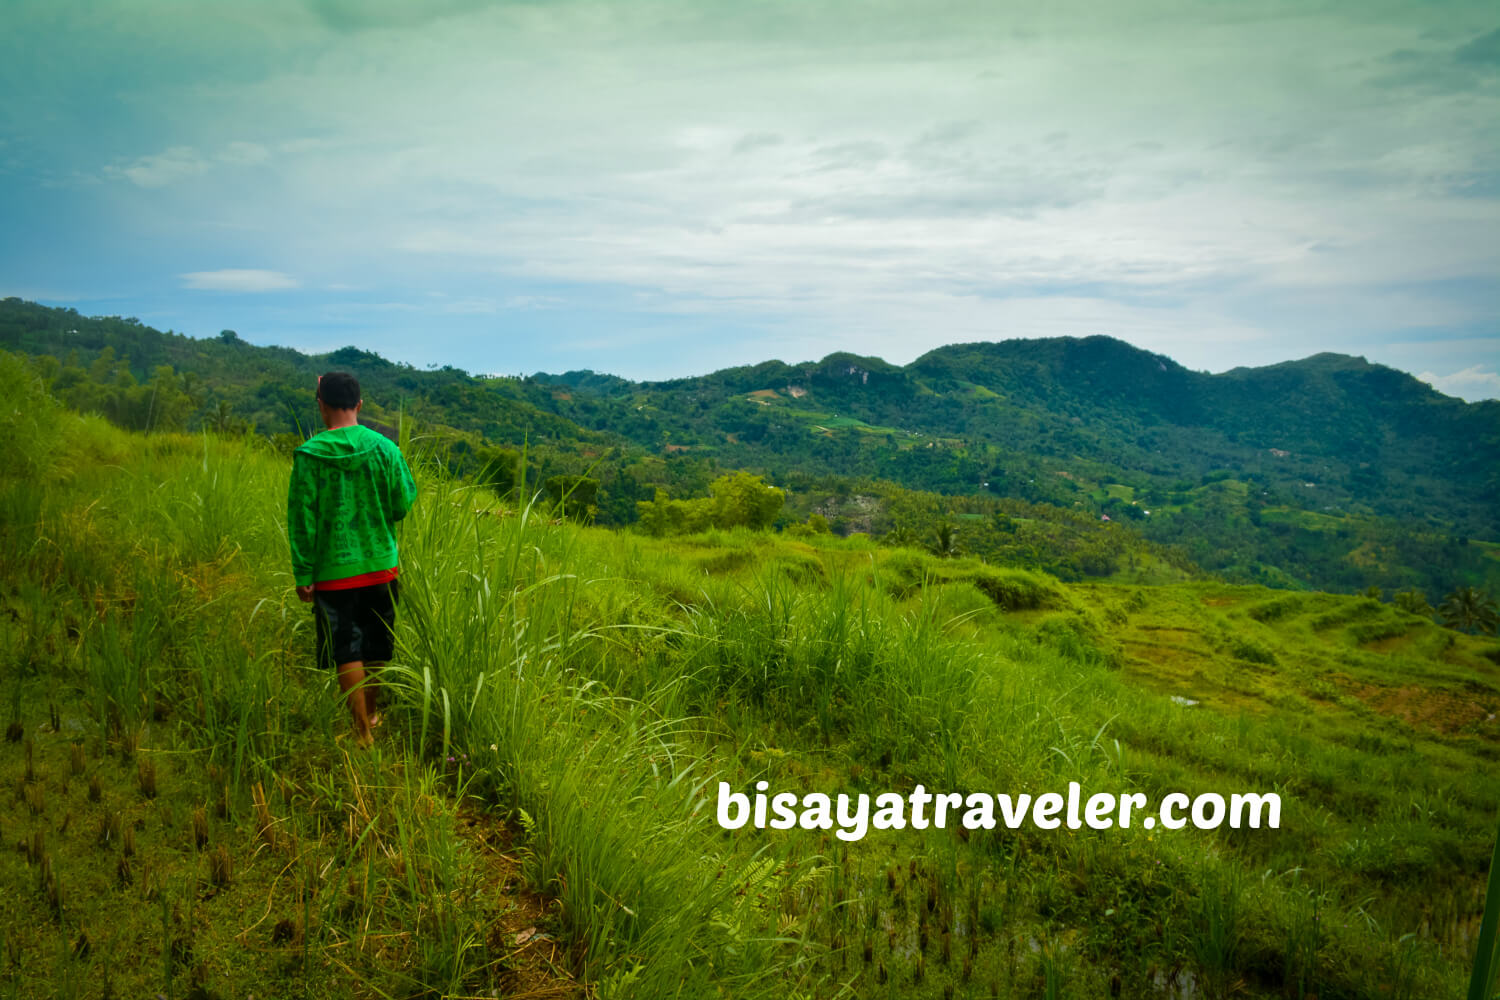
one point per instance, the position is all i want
(144, 379)
(1064, 421)
(539, 812)
(1326, 473)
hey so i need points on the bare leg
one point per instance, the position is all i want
(372, 692)
(351, 676)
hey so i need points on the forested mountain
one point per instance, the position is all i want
(1370, 438)
(1329, 472)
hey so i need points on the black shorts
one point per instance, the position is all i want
(355, 624)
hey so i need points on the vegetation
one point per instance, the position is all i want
(1470, 610)
(1328, 473)
(537, 817)
(737, 501)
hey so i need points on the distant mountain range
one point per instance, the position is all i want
(1334, 431)
(1328, 471)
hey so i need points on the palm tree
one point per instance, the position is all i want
(944, 541)
(1413, 602)
(901, 536)
(221, 418)
(1470, 609)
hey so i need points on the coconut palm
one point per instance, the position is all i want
(1470, 609)
(900, 536)
(1413, 602)
(944, 541)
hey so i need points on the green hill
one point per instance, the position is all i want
(1407, 472)
(1326, 473)
(540, 812)
(1373, 439)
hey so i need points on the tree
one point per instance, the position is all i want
(653, 514)
(221, 420)
(665, 516)
(944, 540)
(164, 401)
(1412, 602)
(499, 470)
(901, 536)
(743, 500)
(1470, 609)
(575, 496)
(816, 524)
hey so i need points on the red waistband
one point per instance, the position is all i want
(363, 580)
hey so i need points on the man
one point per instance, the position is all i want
(349, 487)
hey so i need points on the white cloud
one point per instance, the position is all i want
(1472, 383)
(179, 163)
(1231, 185)
(246, 153)
(532, 302)
(642, 177)
(238, 280)
(472, 306)
(164, 168)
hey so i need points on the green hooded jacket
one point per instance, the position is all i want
(349, 487)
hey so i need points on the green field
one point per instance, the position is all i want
(819, 421)
(537, 818)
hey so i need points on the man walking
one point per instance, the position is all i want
(349, 487)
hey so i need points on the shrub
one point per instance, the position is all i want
(1274, 610)
(1079, 638)
(575, 496)
(1015, 590)
(1254, 652)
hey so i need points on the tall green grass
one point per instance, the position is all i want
(499, 654)
(590, 688)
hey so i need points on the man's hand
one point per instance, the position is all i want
(305, 594)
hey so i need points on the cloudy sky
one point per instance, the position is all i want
(658, 189)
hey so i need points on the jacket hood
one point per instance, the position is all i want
(348, 446)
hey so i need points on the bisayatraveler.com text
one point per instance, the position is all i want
(921, 809)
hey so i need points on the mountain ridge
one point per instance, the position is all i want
(1325, 406)
(1327, 471)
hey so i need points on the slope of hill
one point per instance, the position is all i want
(268, 388)
(1328, 472)
(565, 700)
(1374, 439)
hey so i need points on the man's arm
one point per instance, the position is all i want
(403, 487)
(301, 521)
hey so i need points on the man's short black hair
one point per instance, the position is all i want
(339, 390)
